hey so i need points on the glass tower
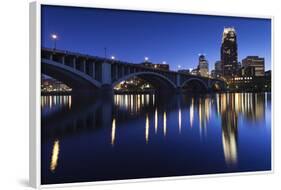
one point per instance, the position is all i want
(229, 61)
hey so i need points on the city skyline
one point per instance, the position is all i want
(176, 39)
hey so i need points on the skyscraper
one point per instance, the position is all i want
(203, 66)
(229, 60)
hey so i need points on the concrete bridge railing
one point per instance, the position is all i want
(89, 73)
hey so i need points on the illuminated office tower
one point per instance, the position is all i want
(229, 61)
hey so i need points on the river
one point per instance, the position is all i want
(145, 135)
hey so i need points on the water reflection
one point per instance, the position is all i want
(229, 116)
(156, 120)
(146, 128)
(220, 117)
(51, 104)
(55, 156)
(179, 120)
(191, 112)
(113, 131)
(164, 123)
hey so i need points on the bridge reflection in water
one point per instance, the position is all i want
(142, 135)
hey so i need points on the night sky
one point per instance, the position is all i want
(133, 35)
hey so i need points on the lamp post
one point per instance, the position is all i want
(54, 38)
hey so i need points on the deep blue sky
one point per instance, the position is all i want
(132, 35)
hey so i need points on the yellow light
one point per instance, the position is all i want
(229, 147)
(146, 128)
(55, 156)
(69, 102)
(113, 129)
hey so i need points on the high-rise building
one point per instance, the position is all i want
(253, 66)
(203, 67)
(229, 55)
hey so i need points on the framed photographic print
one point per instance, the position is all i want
(124, 94)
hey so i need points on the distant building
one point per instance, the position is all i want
(185, 71)
(52, 85)
(253, 66)
(267, 82)
(203, 66)
(229, 55)
(213, 73)
(217, 72)
(160, 66)
(218, 66)
(247, 80)
(194, 71)
(267, 74)
(239, 65)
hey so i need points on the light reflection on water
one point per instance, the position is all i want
(227, 124)
(55, 156)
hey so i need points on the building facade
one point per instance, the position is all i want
(217, 72)
(160, 66)
(229, 60)
(185, 71)
(253, 66)
(203, 66)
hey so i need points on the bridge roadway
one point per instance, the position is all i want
(89, 74)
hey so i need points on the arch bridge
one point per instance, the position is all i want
(86, 73)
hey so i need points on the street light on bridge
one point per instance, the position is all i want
(54, 38)
(146, 58)
(113, 57)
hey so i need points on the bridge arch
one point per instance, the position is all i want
(159, 81)
(194, 85)
(75, 79)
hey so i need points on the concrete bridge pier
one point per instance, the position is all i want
(178, 90)
(106, 90)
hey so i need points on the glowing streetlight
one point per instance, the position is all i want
(146, 58)
(164, 62)
(54, 38)
(179, 66)
(112, 57)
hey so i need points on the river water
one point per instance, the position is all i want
(145, 135)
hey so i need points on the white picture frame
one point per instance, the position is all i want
(35, 92)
